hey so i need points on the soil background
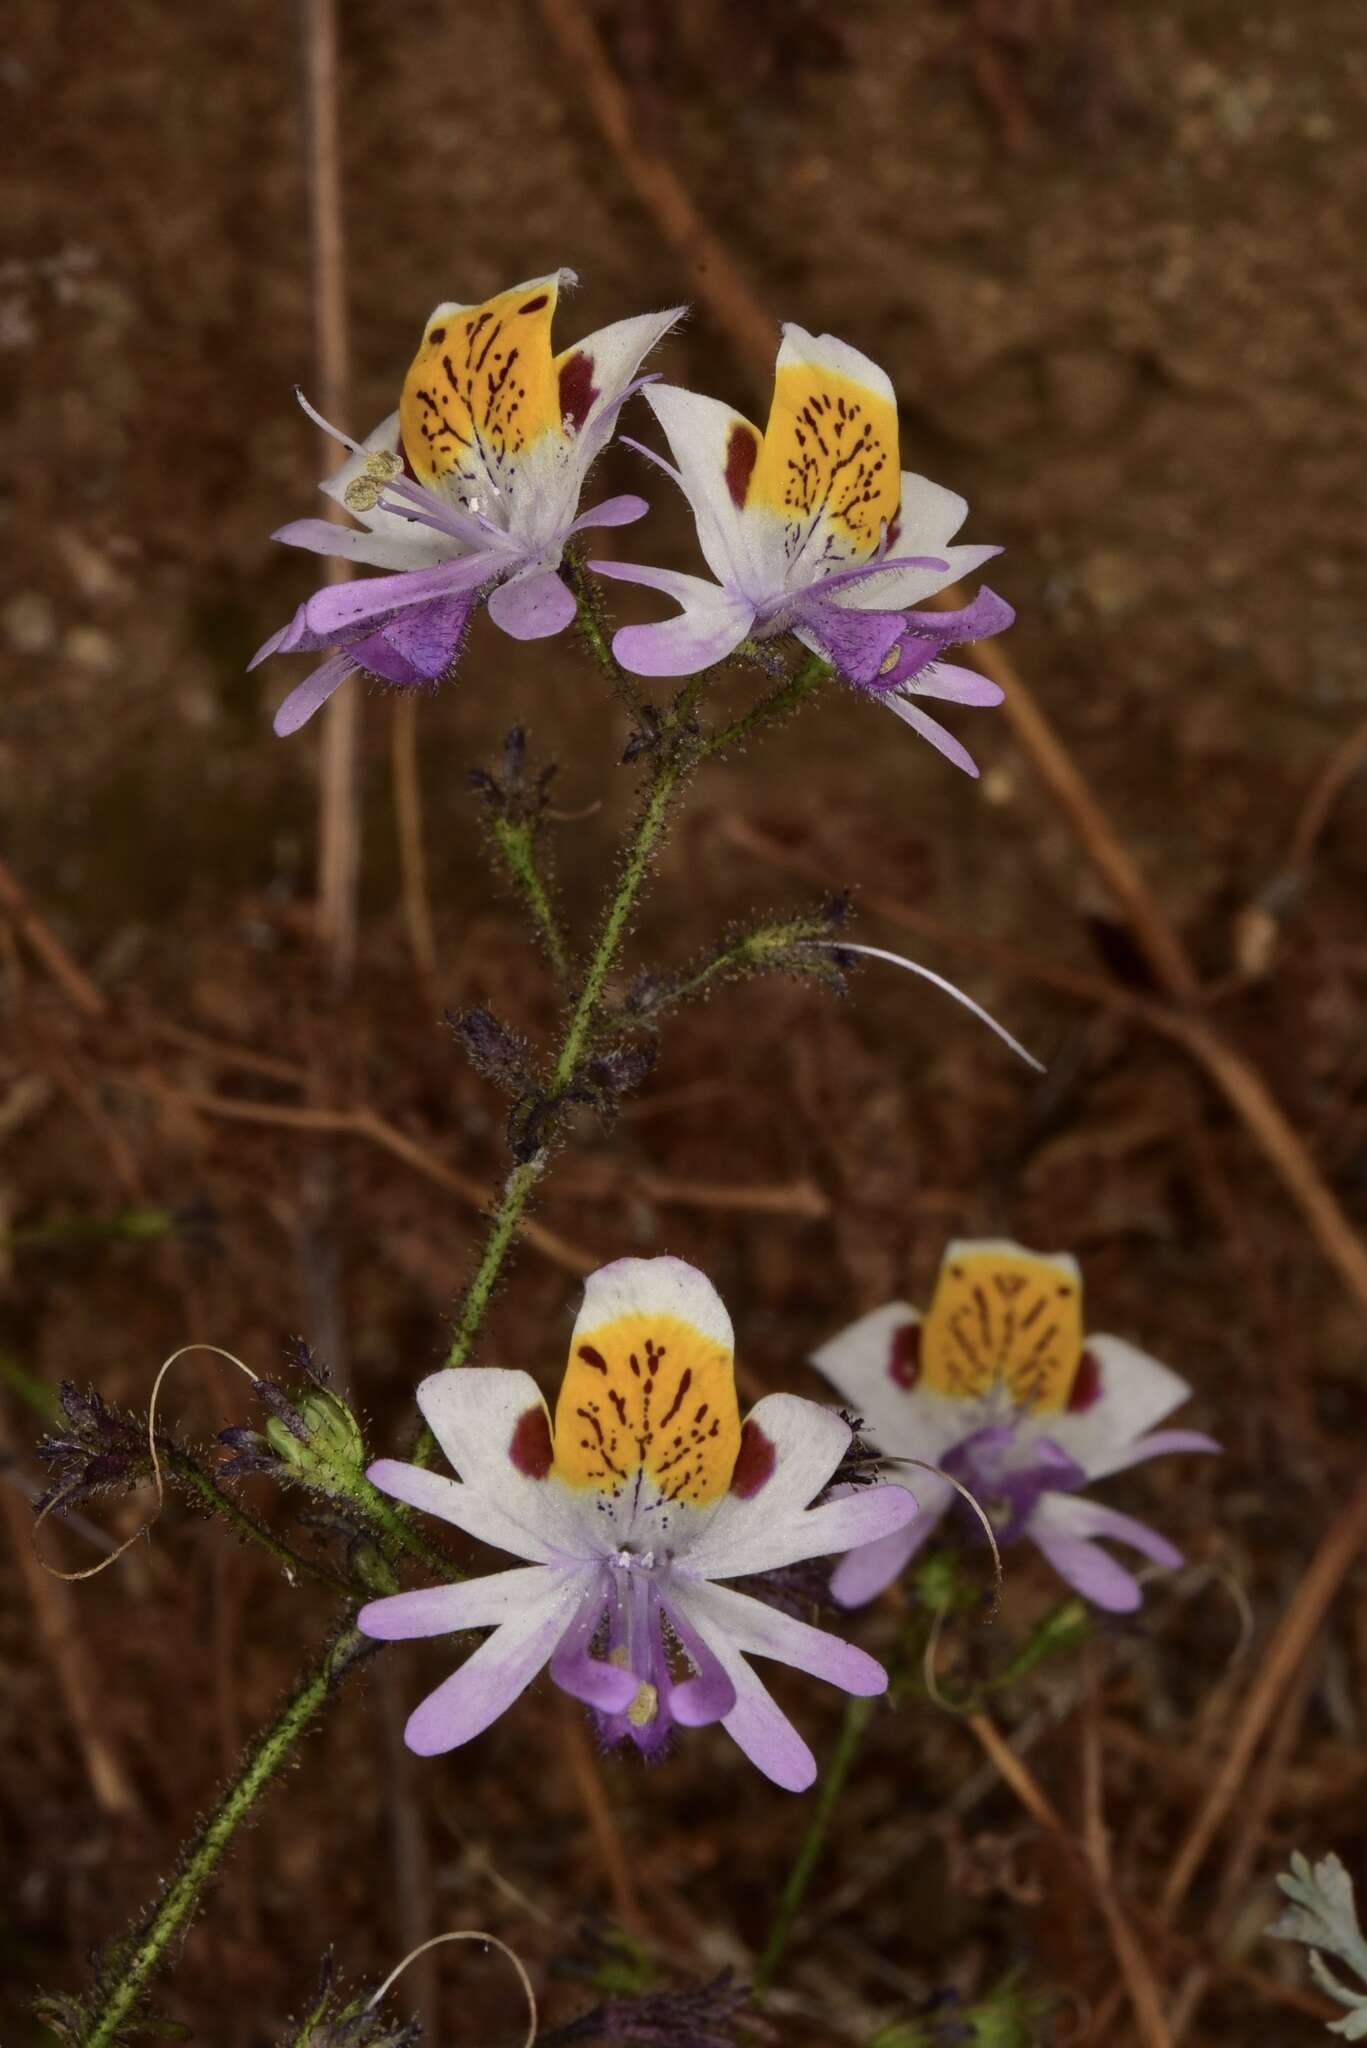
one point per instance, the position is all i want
(1112, 260)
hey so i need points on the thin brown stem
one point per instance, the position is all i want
(339, 826)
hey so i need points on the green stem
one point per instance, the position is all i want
(502, 1229)
(776, 705)
(858, 1714)
(516, 842)
(670, 771)
(594, 634)
(246, 1525)
(143, 1953)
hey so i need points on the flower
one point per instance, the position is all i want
(644, 1493)
(996, 1386)
(809, 528)
(470, 490)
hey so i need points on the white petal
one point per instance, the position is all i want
(828, 353)
(475, 1414)
(904, 1421)
(863, 1573)
(663, 1287)
(895, 589)
(415, 547)
(501, 1668)
(754, 1537)
(467, 1508)
(744, 550)
(1136, 1392)
(713, 622)
(930, 515)
(617, 352)
(756, 1724)
(859, 1361)
(763, 1631)
(442, 1610)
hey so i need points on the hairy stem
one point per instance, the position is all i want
(773, 707)
(502, 1230)
(219, 1503)
(669, 772)
(858, 1714)
(677, 751)
(516, 843)
(593, 632)
(520, 1182)
(142, 1954)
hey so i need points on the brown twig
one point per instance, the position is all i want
(1140, 1982)
(1255, 1813)
(339, 828)
(1098, 840)
(1288, 1646)
(784, 1198)
(417, 907)
(362, 1123)
(717, 280)
(19, 906)
(1344, 761)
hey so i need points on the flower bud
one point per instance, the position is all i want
(327, 1449)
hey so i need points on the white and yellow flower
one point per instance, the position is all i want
(997, 1385)
(642, 1493)
(812, 528)
(469, 491)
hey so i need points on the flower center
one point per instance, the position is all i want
(1006, 1474)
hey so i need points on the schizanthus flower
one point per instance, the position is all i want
(644, 1492)
(810, 528)
(998, 1387)
(469, 492)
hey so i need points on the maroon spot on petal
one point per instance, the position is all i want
(577, 389)
(1087, 1385)
(437, 336)
(755, 1461)
(593, 1358)
(530, 1449)
(894, 529)
(904, 1355)
(741, 451)
(535, 305)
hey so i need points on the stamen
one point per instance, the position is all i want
(644, 1707)
(364, 492)
(937, 981)
(326, 425)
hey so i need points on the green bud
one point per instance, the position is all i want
(1068, 1626)
(937, 1581)
(331, 1453)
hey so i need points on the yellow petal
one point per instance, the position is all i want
(648, 1391)
(831, 442)
(483, 387)
(1003, 1316)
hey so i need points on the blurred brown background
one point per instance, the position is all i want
(1112, 260)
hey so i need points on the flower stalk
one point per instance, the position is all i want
(858, 1714)
(138, 1958)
